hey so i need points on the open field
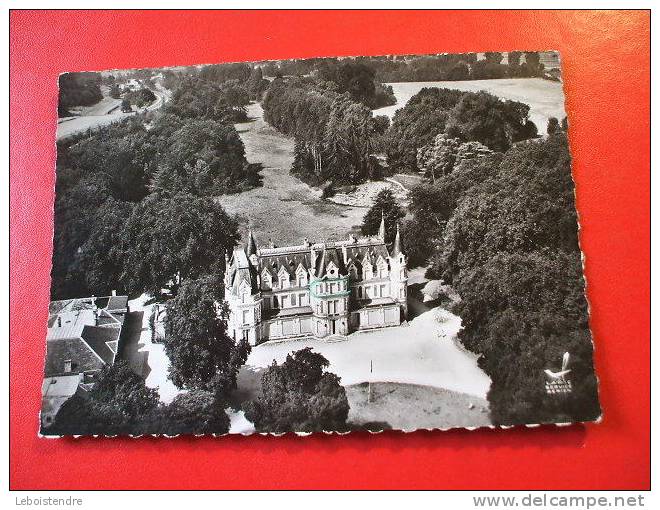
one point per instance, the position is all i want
(544, 97)
(416, 407)
(284, 209)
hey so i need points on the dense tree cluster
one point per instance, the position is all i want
(299, 395)
(167, 240)
(502, 229)
(120, 403)
(141, 97)
(464, 116)
(455, 67)
(440, 157)
(78, 89)
(121, 178)
(358, 80)
(117, 402)
(335, 137)
(197, 98)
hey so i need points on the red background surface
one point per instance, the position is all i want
(607, 84)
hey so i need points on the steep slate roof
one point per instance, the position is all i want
(372, 251)
(396, 248)
(97, 338)
(316, 257)
(241, 270)
(328, 255)
(117, 303)
(252, 245)
(289, 261)
(83, 334)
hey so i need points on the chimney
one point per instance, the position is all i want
(59, 321)
(114, 292)
(67, 366)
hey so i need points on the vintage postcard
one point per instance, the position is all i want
(330, 244)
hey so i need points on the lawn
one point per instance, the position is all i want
(410, 407)
(284, 209)
(422, 376)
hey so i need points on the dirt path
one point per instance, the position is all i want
(284, 209)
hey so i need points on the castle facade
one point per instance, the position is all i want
(324, 289)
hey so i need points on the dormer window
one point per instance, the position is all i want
(301, 276)
(382, 268)
(283, 278)
(266, 280)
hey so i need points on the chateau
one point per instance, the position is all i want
(322, 289)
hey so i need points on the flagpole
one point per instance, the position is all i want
(371, 371)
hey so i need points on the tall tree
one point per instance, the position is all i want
(169, 239)
(78, 89)
(299, 395)
(115, 405)
(484, 118)
(201, 353)
(99, 258)
(553, 126)
(385, 206)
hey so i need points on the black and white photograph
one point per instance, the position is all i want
(316, 245)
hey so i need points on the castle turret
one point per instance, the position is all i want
(252, 249)
(396, 249)
(381, 229)
(399, 273)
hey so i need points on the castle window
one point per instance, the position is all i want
(382, 291)
(293, 300)
(246, 316)
(360, 292)
(302, 300)
(285, 301)
(367, 292)
(276, 302)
